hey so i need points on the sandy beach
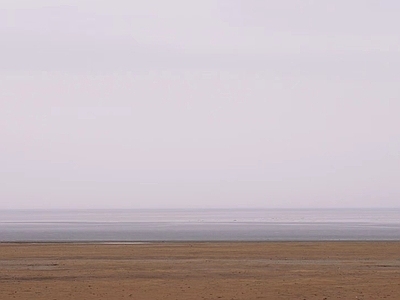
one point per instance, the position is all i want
(265, 270)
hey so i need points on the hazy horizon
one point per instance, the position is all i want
(238, 209)
(205, 104)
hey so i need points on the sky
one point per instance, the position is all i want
(199, 104)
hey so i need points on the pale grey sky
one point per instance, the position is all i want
(165, 104)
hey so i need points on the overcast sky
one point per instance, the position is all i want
(166, 104)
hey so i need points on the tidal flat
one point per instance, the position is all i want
(200, 270)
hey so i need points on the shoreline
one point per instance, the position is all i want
(145, 242)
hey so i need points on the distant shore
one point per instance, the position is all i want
(200, 270)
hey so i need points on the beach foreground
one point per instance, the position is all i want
(265, 270)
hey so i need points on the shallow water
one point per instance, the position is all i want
(199, 225)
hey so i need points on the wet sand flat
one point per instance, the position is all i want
(264, 270)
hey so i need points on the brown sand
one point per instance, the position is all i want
(270, 270)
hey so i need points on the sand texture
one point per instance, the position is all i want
(270, 270)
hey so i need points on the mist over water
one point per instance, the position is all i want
(198, 225)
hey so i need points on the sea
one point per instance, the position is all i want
(177, 225)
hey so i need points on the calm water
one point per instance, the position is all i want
(199, 225)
